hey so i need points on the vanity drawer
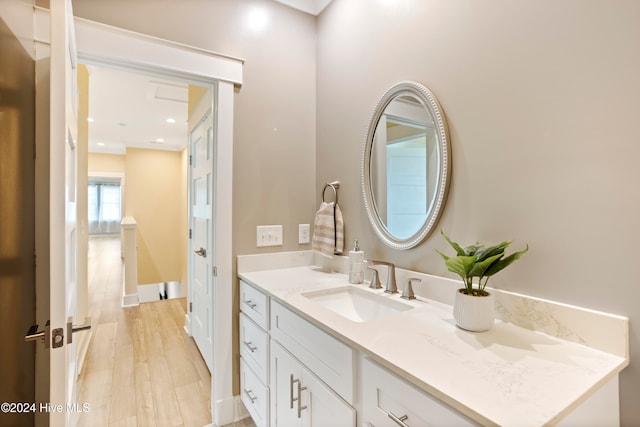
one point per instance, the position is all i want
(386, 395)
(254, 304)
(254, 395)
(327, 357)
(254, 347)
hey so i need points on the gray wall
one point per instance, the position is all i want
(17, 207)
(541, 98)
(274, 118)
(274, 170)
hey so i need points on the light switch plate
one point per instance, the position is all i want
(268, 235)
(304, 233)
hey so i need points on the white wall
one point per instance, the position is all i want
(541, 98)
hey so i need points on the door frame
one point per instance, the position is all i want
(109, 46)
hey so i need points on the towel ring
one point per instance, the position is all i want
(334, 186)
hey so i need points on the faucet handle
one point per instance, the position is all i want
(375, 281)
(407, 292)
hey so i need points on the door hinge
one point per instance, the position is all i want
(190, 233)
(215, 271)
(190, 307)
(190, 159)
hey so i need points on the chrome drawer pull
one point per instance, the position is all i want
(250, 303)
(250, 346)
(248, 393)
(296, 399)
(399, 420)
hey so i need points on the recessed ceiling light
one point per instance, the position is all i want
(171, 120)
(90, 119)
(100, 143)
(159, 140)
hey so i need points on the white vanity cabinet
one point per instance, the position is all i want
(300, 399)
(390, 400)
(254, 353)
(328, 358)
(304, 364)
(291, 372)
(312, 374)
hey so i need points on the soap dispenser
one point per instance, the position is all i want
(356, 264)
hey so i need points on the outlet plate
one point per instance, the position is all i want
(268, 235)
(304, 233)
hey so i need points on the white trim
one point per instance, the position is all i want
(98, 174)
(223, 290)
(130, 300)
(105, 45)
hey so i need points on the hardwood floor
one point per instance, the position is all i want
(141, 368)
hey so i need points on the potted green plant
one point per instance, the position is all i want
(473, 305)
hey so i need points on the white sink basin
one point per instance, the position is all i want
(356, 304)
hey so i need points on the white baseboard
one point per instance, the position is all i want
(130, 300)
(229, 411)
(240, 411)
(187, 324)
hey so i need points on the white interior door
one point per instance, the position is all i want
(202, 223)
(62, 213)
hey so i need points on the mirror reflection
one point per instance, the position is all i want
(405, 165)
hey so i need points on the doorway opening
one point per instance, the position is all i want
(138, 132)
(141, 131)
(102, 45)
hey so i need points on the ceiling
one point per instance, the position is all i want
(131, 110)
(314, 7)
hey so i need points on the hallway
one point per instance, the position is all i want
(141, 368)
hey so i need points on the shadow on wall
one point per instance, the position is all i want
(17, 224)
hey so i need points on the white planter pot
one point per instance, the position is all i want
(473, 313)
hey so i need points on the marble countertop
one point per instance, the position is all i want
(507, 376)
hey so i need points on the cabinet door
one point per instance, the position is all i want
(300, 399)
(323, 406)
(285, 374)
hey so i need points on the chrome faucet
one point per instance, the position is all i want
(407, 292)
(375, 281)
(391, 276)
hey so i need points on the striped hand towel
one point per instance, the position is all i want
(328, 230)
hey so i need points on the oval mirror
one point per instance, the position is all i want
(405, 165)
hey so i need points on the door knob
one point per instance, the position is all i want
(202, 252)
(34, 334)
